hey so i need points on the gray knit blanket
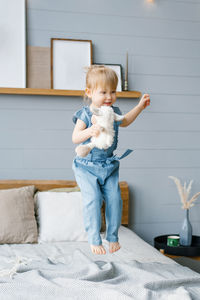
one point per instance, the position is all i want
(78, 277)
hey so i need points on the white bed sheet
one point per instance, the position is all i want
(69, 270)
(133, 248)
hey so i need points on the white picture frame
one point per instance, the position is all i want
(69, 60)
(13, 43)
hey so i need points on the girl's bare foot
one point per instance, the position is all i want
(98, 249)
(114, 246)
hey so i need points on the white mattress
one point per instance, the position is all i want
(133, 248)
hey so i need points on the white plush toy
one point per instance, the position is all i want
(105, 117)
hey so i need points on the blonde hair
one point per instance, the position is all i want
(101, 76)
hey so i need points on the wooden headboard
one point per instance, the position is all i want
(43, 185)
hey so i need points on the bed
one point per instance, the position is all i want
(68, 269)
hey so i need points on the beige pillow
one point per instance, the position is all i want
(17, 218)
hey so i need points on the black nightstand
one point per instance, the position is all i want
(183, 255)
(193, 251)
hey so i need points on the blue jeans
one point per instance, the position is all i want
(97, 181)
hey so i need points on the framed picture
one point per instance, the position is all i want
(13, 43)
(118, 69)
(69, 59)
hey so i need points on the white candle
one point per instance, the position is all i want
(126, 71)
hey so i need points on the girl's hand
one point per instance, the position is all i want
(95, 130)
(93, 119)
(144, 101)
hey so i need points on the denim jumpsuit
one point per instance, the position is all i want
(97, 175)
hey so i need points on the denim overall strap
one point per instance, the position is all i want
(115, 157)
(126, 153)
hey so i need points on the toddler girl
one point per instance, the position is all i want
(97, 174)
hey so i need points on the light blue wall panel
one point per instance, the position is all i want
(187, 10)
(164, 60)
(73, 22)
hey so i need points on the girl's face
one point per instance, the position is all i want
(101, 96)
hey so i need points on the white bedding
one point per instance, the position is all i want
(69, 270)
(133, 248)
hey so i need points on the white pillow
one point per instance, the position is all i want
(60, 217)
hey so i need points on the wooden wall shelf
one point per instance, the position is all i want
(52, 92)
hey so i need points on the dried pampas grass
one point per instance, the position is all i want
(184, 192)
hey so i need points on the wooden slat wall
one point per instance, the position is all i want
(164, 58)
